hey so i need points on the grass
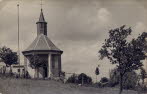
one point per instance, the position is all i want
(28, 86)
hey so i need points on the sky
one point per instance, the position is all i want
(78, 27)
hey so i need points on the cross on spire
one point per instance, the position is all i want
(18, 3)
(41, 4)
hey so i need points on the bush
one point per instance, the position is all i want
(104, 80)
(114, 78)
(98, 84)
(86, 79)
(129, 79)
(72, 79)
(141, 88)
(79, 79)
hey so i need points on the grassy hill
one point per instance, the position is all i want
(27, 86)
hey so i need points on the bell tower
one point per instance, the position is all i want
(41, 25)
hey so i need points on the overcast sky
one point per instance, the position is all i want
(78, 27)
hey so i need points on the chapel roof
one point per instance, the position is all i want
(42, 43)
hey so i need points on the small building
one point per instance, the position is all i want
(18, 70)
(15, 69)
(44, 49)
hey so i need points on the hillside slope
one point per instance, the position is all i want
(23, 86)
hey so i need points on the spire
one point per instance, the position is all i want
(41, 25)
(41, 19)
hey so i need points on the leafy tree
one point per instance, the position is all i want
(114, 77)
(97, 72)
(126, 55)
(80, 79)
(84, 79)
(8, 56)
(36, 62)
(130, 79)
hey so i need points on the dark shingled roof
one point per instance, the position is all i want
(42, 42)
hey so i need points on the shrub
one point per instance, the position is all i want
(141, 88)
(104, 80)
(114, 78)
(129, 80)
(72, 79)
(86, 79)
(79, 79)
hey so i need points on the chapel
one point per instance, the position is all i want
(45, 51)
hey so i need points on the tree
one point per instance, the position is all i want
(8, 56)
(114, 77)
(97, 72)
(36, 62)
(84, 79)
(80, 79)
(126, 55)
(143, 74)
(130, 79)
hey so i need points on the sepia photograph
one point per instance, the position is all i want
(73, 46)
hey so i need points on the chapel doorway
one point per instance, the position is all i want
(45, 72)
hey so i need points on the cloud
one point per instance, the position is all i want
(3, 3)
(140, 27)
(104, 15)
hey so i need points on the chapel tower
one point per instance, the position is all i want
(41, 25)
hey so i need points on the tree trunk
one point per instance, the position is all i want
(4, 70)
(37, 72)
(82, 80)
(96, 78)
(121, 84)
(10, 70)
(143, 81)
